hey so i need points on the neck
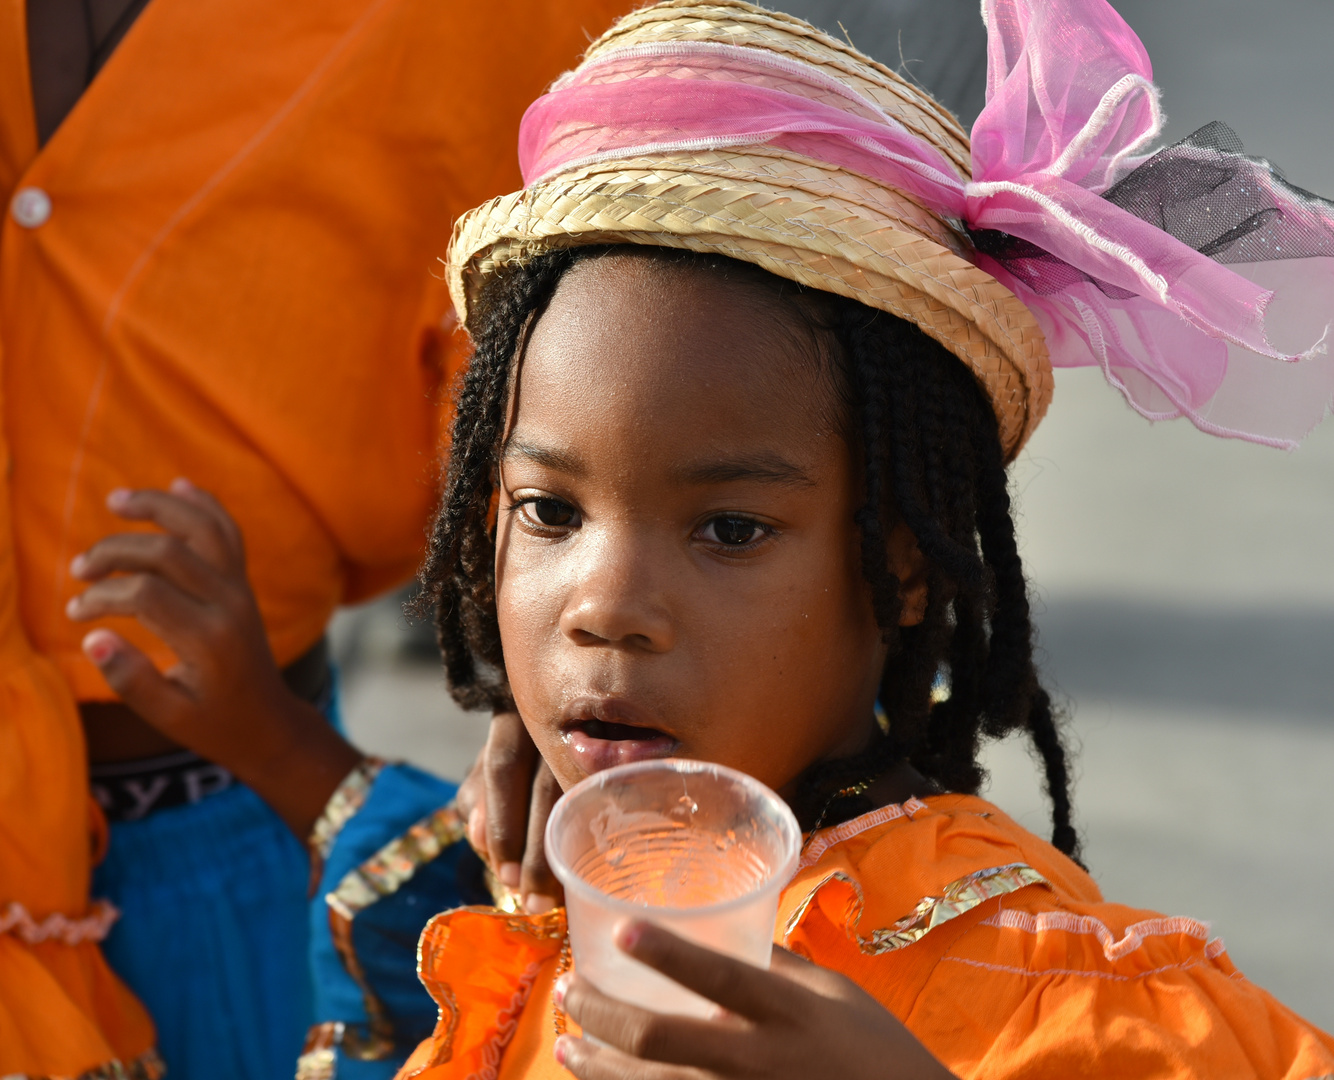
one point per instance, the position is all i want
(899, 784)
(830, 800)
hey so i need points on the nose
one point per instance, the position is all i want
(619, 599)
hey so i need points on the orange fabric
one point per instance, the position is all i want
(62, 1011)
(238, 282)
(997, 951)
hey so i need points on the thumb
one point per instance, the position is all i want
(159, 700)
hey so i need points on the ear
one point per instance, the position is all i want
(908, 564)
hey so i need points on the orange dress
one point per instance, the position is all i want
(223, 265)
(995, 950)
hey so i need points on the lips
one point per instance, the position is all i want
(602, 732)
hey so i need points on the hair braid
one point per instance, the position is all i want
(870, 391)
(458, 576)
(942, 450)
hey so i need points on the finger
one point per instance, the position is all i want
(182, 517)
(675, 1040)
(171, 614)
(538, 885)
(155, 553)
(209, 503)
(737, 986)
(470, 801)
(511, 759)
(136, 681)
(590, 1062)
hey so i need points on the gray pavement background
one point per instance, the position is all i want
(1184, 585)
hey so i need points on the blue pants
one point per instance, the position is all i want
(214, 934)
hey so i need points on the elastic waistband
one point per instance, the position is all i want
(130, 790)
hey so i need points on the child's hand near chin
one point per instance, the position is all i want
(795, 1020)
(225, 699)
(506, 799)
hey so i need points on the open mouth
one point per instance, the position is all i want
(597, 743)
(613, 732)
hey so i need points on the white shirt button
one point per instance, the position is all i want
(31, 206)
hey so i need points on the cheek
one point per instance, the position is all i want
(528, 605)
(824, 634)
(829, 653)
(527, 611)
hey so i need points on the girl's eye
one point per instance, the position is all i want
(552, 513)
(733, 531)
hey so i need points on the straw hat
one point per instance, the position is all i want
(799, 218)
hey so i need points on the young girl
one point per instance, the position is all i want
(728, 482)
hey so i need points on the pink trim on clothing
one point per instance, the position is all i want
(95, 926)
(827, 838)
(1112, 948)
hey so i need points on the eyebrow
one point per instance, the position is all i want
(546, 456)
(765, 468)
(761, 468)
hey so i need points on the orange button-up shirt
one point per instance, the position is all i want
(223, 266)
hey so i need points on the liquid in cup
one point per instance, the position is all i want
(698, 848)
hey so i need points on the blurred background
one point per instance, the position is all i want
(1184, 584)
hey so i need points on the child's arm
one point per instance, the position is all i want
(225, 699)
(795, 1020)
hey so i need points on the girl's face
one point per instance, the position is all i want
(677, 567)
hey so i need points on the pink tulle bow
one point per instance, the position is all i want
(1161, 270)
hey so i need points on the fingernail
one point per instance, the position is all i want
(181, 484)
(535, 903)
(628, 935)
(562, 1048)
(99, 647)
(77, 565)
(509, 875)
(117, 499)
(72, 607)
(559, 990)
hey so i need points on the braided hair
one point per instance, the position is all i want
(931, 458)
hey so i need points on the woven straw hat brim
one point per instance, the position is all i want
(800, 219)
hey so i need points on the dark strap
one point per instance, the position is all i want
(68, 42)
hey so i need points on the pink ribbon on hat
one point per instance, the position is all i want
(1159, 269)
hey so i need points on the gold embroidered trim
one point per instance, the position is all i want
(385, 872)
(319, 1059)
(17, 920)
(147, 1066)
(348, 797)
(958, 898)
(799, 913)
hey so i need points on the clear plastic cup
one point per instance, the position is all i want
(697, 848)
